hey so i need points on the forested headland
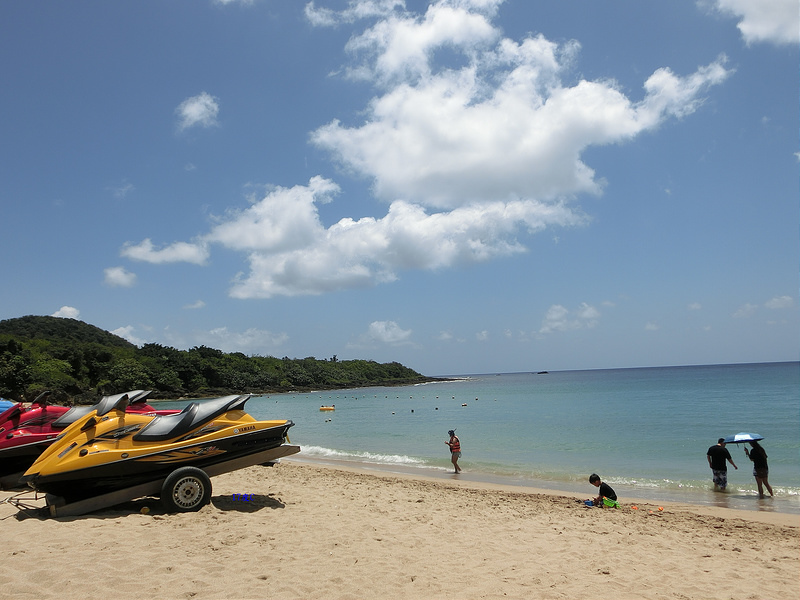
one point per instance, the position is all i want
(79, 363)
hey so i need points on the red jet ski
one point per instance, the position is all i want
(25, 432)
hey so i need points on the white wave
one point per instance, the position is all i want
(395, 459)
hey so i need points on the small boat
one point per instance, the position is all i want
(109, 450)
(331, 407)
(26, 432)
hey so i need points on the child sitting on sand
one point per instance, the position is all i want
(605, 490)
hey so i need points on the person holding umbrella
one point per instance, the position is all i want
(758, 455)
(717, 455)
(760, 469)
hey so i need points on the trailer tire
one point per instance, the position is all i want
(187, 489)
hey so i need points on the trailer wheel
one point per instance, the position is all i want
(187, 489)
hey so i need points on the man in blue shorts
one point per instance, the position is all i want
(717, 455)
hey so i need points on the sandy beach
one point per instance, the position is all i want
(299, 530)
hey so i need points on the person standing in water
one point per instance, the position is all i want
(455, 449)
(717, 455)
(760, 469)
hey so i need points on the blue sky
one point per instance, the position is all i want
(463, 186)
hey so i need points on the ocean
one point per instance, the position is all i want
(645, 431)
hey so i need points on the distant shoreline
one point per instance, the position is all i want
(306, 390)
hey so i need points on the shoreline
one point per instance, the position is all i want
(708, 499)
(783, 519)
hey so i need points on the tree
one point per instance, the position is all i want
(15, 374)
(77, 360)
(128, 374)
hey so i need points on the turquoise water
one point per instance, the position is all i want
(645, 431)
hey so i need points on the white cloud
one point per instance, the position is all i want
(502, 126)
(291, 253)
(470, 157)
(652, 327)
(251, 341)
(195, 305)
(482, 336)
(775, 21)
(67, 312)
(745, 311)
(588, 314)
(780, 302)
(560, 318)
(402, 46)
(285, 219)
(355, 11)
(123, 189)
(199, 110)
(119, 277)
(695, 306)
(177, 252)
(127, 334)
(386, 332)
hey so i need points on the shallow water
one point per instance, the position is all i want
(645, 431)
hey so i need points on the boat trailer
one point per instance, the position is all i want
(56, 506)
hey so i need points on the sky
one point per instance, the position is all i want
(462, 186)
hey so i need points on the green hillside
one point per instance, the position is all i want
(61, 330)
(80, 362)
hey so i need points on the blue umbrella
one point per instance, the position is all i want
(740, 438)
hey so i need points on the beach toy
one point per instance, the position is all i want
(144, 510)
(660, 508)
(634, 508)
(589, 503)
(610, 503)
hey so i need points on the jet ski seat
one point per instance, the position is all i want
(115, 402)
(12, 412)
(72, 415)
(104, 406)
(165, 427)
(139, 396)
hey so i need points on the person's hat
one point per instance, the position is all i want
(451, 432)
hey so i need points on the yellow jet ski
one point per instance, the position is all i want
(109, 450)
